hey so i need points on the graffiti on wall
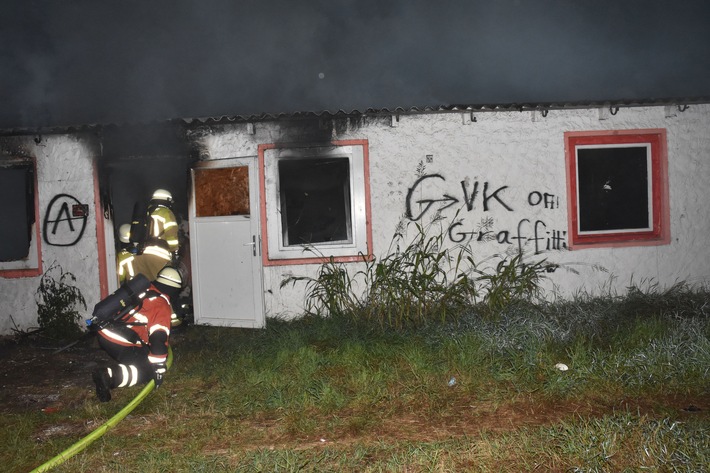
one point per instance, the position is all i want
(489, 199)
(64, 221)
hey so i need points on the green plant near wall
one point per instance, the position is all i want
(330, 292)
(421, 280)
(407, 286)
(512, 280)
(58, 302)
(418, 280)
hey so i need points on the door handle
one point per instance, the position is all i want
(252, 244)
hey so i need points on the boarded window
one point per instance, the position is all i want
(223, 191)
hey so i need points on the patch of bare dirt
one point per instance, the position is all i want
(35, 376)
(464, 419)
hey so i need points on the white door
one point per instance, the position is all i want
(224, 244)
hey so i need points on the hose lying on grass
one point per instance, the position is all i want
(99, 431)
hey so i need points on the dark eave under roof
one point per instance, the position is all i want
(265, 117)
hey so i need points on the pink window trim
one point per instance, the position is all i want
(660, 233)
(262, 206)
(100, 235)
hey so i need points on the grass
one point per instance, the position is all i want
(474, 393)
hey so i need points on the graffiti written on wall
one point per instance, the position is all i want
(488, 198)
(64, 220)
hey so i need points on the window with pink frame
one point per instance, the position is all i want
(617, 185)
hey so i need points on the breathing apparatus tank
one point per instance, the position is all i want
(116, 306)
(139, 225)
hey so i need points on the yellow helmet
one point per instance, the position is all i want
(124, 233)
(162, 194)
(170, 277)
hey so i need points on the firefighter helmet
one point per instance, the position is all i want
(124, 233)
(162, 194)
(170, 277)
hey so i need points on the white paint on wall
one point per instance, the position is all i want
(510, 151)
(64, 166)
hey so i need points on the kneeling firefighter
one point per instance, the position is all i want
(137, 339)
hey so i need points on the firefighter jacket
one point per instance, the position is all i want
(163, 225)
(148, 326)
(124, 261)
(154, 258)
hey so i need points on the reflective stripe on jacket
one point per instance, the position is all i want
(163, 225)
(144, 326)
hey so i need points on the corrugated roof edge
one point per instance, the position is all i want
(520, 107)
(455, 108)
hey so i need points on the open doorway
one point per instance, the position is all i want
(134, 162)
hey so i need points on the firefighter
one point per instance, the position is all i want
(140, 344)
(161, 219)
(154, 257)
(125, 258)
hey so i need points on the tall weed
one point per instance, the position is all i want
(331, 292)
(420, 281)
(512, 281)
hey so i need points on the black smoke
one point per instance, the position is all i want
(86, 62)
(138, 159)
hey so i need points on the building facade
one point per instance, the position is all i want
(608, 196)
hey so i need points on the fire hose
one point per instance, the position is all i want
(99, 431)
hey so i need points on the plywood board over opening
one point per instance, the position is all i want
(223, 191)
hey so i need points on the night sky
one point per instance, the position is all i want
(87, 62)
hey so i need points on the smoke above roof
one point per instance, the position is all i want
(87, 62)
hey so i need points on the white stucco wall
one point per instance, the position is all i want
(515, 153)
(64, 166)
(525, 152)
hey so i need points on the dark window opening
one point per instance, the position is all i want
(613, 189)
(17, 211)
(315, 200)
(618, 188)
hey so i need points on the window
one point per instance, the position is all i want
(316, 202)
(19, 234)
(617, 182)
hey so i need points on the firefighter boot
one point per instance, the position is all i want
(102, 380)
